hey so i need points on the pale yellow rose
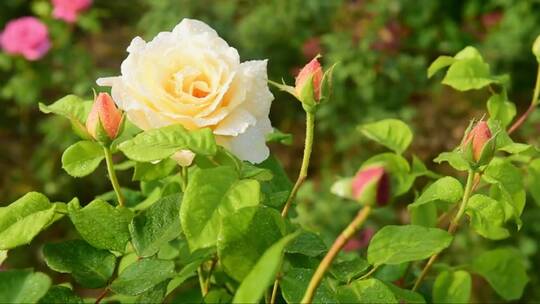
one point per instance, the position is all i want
(191, 76)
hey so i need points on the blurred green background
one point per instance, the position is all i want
(383, 48)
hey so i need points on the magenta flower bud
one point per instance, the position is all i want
(371, 185)
(104, 115)
(479, 136)
(313, 71)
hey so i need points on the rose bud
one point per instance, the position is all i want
(104, 120)
(308, 82)
(371, 185)
(479, 145)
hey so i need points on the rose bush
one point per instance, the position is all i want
(218, 229)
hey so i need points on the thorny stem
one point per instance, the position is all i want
(453, 225)
(112, 176)
(308, 146)
(532, 107)
(333, 252)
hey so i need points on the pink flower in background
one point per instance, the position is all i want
(68, 10)
(26, 36)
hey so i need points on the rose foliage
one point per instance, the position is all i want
(213, 217)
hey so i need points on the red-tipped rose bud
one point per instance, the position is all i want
(477, 139)
(312, 71)
(371, 185)
(104, 116)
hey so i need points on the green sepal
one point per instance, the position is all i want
(307, 97)
(327, 84)
(488, 151)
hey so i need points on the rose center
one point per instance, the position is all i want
(189, 80)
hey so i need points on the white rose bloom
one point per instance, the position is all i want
(191, 76)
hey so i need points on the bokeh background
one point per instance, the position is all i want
(383, 48)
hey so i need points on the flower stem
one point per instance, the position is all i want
(308, 146)
(333, 252)
(452, 228)
(112, 176)
(532, 106)
(184, 177)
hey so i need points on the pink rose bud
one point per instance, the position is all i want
(312, 69)
(104, 112)
(479, 136)
(26, 36)
(69, 10)
(371, 185)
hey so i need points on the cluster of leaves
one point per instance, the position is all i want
(219, 219)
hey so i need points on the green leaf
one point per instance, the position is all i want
(391, 133)
(157, 144)
(71, 107)
(89, 266)
(446, 190)
(469, 74)
(349, 267)
(190, 270)
(216, 296)
(508, 187)
(499, 108)
(277, 190)
(307, 243)
(156, 226)
(452, 287)
(534, 180)
(439, 63)
(260, 174)
(21, 221)
(503, 172)
(424, 215)
(22, 286)
(102, 225)
(60, 295)
(82, 158)
(366, 291)
(262, 275)
(487, 217)
(210, 195)
(399, 244)
(504, 270)
(142, 276)
(454, 159)
(155, 294)
(151, 172)
(245, 236)
(391, 273)
(295, 282)
(406, 296)
(516, 148)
